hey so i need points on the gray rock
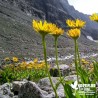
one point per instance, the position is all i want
(17, 85)
(15, 97)
(1, 96)
(64, 70)
(45, 85)
(71, 77)
(5, 91)
(30, 90)
(4, 96)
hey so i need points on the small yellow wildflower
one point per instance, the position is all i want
(29, 66)
(15, 59)
(84, 61)
(7, 59)
(41, 27)
(74, 33)
(75, 23)
(94, 17)
(35, 60)
(23, 64)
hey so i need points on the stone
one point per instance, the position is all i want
(16, 86)
(64, 70)
(30, 90)
(71, 77)
(45, 85)
(15, 97)
(5, 91)
(4, 96)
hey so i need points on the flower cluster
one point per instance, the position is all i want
(75, 26)
(33, 70)
(10, 60)
(84, 61)
(32, 65)
(35, 64)
(94, 17)
(87, 65)
(45, 28)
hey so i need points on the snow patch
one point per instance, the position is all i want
(90, 38)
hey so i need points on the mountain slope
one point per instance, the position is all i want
(18, 38)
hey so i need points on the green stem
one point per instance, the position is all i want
(45, 58)
(76, 63)
(56, 52)
(78, 56)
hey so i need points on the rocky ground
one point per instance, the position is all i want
(29, 89)
(40, 89)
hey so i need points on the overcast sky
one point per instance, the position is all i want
(85, 6)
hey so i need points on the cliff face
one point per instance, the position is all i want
(17, 36)
(51, 10)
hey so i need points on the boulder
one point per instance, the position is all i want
(45, 85)
(30, 90)
(71, 77)
(16, 86)
(64, 69)
(5, 91)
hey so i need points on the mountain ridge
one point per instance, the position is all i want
(18, 38)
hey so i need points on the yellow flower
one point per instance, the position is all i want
(15, 59)
(94, 17)
(56, 31)
(75, 23)
(29, 66)
(84, 61)
(41, 27)
(74, 33)
(7, 59)
(35, 60)
(44, 28)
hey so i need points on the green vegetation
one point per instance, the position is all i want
(14, 70)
